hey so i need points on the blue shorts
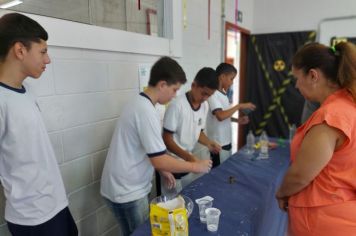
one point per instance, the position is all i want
(61, 224)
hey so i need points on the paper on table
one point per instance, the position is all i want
(175, 203)
(208, 198)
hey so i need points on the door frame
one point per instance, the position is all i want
(245, 34)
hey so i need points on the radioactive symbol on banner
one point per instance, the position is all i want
(276, 92)
(279, 65)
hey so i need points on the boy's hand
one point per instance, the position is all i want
(243, 120)
(202, 166)
(214, 147)
(247, 105)
(169, 179)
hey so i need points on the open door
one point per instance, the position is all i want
(236, 54)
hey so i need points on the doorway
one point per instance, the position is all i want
(236, 54)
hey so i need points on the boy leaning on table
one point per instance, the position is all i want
(137, 148)
(184, 122)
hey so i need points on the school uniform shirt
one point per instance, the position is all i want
(29, 172)
(185, 122)
(137, 137)
(220, 131)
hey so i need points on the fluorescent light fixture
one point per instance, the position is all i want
(9, 3)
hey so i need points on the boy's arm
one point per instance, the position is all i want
(243, 120)
(210, 144)
(168, 163)
(225, 114)
(174, 148)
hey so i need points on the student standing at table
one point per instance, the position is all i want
(36, 201)
(218, 125)
(185, 118)
(137, 148)
(319, 189)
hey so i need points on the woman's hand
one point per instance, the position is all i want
(282, 202)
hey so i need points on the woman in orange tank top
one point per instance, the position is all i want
(319, 188)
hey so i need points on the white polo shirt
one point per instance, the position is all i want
(29, 172)
(220, 131)
(184, 122)
(127, 171)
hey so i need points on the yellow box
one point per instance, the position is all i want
(166, 222)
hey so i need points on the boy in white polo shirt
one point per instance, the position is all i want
(36, 202)
(220, 113)
(137, 148)
(184, 122)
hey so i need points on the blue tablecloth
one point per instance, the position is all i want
(247, 203)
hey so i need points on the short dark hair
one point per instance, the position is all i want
(225, 68)
(207, 77)
(15, 27)
(167, 69)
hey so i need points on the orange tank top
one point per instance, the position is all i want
(337, 181)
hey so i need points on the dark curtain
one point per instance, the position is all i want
(270, 84)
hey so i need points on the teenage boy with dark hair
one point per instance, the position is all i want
(220, 113)
(137, 148)
(184, 121)
(36, 201)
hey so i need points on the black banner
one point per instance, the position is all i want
(270, 84)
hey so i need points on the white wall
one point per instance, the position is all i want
(198, 50)
(247, 9)
(342, 27)
(291, 15)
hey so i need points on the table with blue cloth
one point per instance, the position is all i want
(243, 188)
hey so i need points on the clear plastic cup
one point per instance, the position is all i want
(203, 204)
(212, 219)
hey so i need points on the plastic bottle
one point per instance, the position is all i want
(250, 142)
(264, 146)
(292, 129)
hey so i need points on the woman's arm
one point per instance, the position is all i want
(316, 150)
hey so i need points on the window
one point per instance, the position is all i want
(79, 35)
(128, 15)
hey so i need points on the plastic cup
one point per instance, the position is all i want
(212, 219)
(203, 204)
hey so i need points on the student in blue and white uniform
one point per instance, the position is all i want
(220, 113)
(36, 201)
(137, 148)
(185, 118)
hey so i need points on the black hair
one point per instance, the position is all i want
(225, 68)
(15, 27)
(167, 69)
(207, 77)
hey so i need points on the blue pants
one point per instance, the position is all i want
(61, 224)
(130, 215)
